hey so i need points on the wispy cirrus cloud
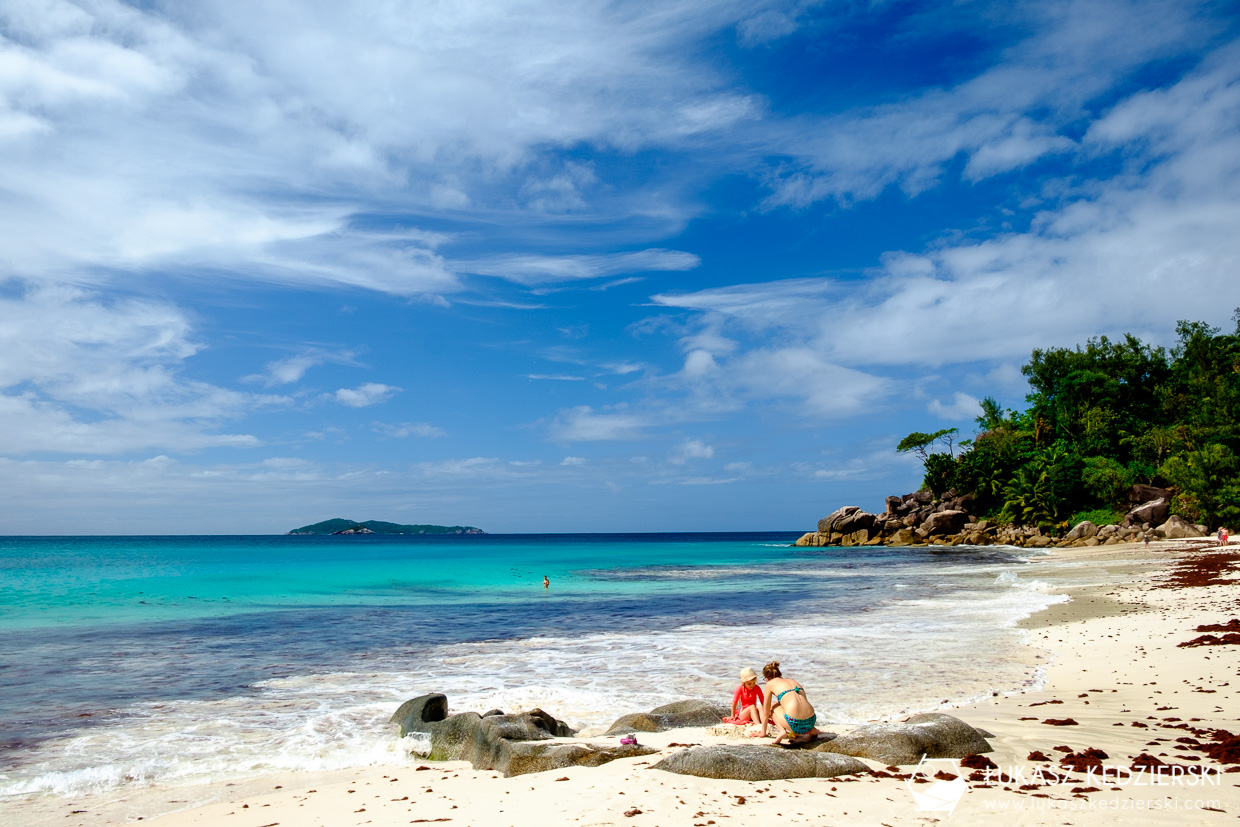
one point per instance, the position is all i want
(1160, 225)
(1023, 108)
(215, 140)
(534, 270)
(82, 374)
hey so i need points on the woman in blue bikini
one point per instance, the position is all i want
(786, 706)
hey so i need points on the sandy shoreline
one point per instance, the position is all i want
(1115, 669)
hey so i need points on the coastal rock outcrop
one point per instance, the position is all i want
(749, 762)
(931, 734)
(920, 518)
(417, 714)
(694, 712)
(1178, 528)
(913, 518)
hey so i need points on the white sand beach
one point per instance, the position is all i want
(1116, 670)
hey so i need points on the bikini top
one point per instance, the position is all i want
(780, 696)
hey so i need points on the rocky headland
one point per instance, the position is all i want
(920, 518)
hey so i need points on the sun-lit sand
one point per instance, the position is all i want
(1116, 670)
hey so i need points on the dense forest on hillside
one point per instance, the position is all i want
(1101, 419)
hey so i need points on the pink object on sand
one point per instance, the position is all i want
(736, 721)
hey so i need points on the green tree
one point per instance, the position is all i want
(940, 473)
(1209, 484)
(919, 443)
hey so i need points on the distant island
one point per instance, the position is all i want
(341, 526)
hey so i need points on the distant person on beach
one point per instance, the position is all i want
(787, 707)
(747, 700)
(546, 582)
(1222, 537)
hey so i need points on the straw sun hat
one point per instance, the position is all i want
(748, 674)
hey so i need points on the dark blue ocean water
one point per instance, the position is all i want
(178, 657)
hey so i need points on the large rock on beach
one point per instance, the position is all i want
(1081, 531)
(499, 740)
(831, 522)
(749, 762)
(417, 714)
(1153, 512)
(945, 522)
(694, 712)
(450, 736)
(518, 743)
(904, 537)
(1178, 528)
(856, 522)
(931, 734)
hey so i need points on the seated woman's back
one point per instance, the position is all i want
(790, 695)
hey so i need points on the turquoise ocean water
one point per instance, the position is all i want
(135, 661)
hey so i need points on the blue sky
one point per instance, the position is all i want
(574, 266)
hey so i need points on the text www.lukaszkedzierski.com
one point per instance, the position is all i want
(1105, 804)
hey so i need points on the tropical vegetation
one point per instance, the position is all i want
(1099, 420)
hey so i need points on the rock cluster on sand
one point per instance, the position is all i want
(509, 744)
(535, 741)
(919, 518)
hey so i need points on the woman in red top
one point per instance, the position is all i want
(748, 698)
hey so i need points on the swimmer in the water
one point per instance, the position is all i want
(546, 582)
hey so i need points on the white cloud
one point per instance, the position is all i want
(764, 27)
(79, 374)
(292, 369)
(1130, 253)
(1006, 117)
(538, 269)
(696, 481)
(691, 449)
(583, 424)
(365, 395)
(161, 139)
(578, 461)
(471, 468)
(407, 429)
(962, 407)
(561, 192)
